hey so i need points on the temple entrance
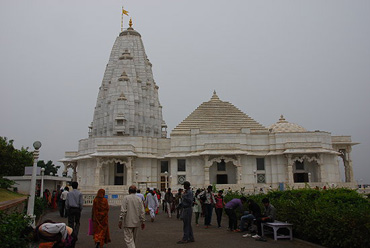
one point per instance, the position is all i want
(222, 172)
(222, 179)
(301, 177)
(305, 171)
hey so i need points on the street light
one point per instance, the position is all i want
(31, 199)
(165, 177)
(42, 182)
(255, 181)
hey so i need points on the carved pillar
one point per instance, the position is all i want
(320, 162)
(238, 170)
(97, 171)
(129, 171)
(347, 162)
(207, 165)
(290, 179)
(74, 175)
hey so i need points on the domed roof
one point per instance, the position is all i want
(216, 116)
(283, 126)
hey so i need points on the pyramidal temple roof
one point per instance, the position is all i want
(216, 116)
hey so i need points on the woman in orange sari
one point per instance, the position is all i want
(100, 219)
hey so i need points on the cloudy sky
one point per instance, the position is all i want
(307, 60)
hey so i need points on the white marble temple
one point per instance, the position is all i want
(216, 144)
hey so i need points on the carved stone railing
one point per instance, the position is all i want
(113, 199)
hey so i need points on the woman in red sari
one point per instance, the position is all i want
(100, 219)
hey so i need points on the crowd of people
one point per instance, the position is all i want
(135, 205)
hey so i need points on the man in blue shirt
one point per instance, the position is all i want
(74, 205)
(186, 205)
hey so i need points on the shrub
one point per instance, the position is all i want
(14, 230)
(6, 183)
(40, 206)
(333, 217)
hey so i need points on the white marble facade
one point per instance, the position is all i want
(216, 144)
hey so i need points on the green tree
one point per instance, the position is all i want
(49, 167)
(13, 161)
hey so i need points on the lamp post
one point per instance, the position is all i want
(255, 181)
(31, 199)
(42, 182)
(165, 178)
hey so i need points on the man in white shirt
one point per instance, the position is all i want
(63, 197)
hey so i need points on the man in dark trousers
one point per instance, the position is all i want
(254, 213)
(268, 216)
(187, 210)
(74, 204)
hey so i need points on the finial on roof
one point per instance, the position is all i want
(215, 97)
(282, 119)
(130, 23)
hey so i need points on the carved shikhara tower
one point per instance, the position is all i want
(128, 103)
(216, 144)
(128, 135)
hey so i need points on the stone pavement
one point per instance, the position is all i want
(165, 232)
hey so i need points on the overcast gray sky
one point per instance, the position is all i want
(308, 60)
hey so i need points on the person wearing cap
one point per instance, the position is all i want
(186, 205)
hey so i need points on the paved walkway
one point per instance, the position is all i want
(165, 232)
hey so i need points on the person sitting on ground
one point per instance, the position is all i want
(268, 216)
(230, 209)
(253, 213)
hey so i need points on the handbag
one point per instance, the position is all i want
(91, 227)
(203, 197)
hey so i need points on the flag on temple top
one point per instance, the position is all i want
(124, 12)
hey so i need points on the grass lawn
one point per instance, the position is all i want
(6, 195)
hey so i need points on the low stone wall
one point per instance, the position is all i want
(17, 205)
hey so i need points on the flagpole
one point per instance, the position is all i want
(122, 20)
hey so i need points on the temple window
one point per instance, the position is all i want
(119, 122)
(164, 166)
(260, 163)
(181, 165)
